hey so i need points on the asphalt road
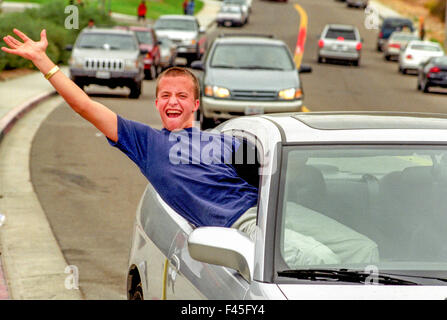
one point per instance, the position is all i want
(90, 191)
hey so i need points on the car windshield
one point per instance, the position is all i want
(108, 41)
(352, 207)
(232, 9)
(248, 56)
(425, 47)
(397, 24)
(240, 2)
(336, 33)
(175, 24)
(144, 37)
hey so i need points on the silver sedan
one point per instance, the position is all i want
(351, 206)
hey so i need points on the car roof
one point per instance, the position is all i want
(341, 26)
(108, 31)
(177, 17)
(250, 39)
(430, 43)
(355, 127)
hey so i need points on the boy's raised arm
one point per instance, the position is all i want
(104, 119)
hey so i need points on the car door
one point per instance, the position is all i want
(191, 279)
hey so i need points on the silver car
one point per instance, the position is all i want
(351, 206)
(233, 62)
(231, 15)
(108, 57)
(185, 32)
(396, 43)
(340, 42)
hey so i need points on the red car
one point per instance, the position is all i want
(148, 41)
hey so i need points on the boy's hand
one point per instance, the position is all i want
(29, 49)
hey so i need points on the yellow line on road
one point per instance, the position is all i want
(302, 32)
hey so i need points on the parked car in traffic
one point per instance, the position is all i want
(433, 73)
(340, 42)
(357, 3)
(185, 32)
(148, 41)
(351, 206)
(108, 57)
(416, 53)
(231, 15)
(396, 43)
(389, 25)
(168, 52)
(246, 74)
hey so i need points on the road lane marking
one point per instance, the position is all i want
(302, 33)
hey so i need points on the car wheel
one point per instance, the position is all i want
(152, 73)
(135, 90)
(138, 293)
(419, 86)
(387, 58)
(425, 87)
(356, 63)
(206, 123)
(379, 48)
(320, 59)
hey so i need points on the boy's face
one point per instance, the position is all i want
(176, 103)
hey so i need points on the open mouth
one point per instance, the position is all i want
(173, 113)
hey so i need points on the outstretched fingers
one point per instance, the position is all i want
(12, 42)
(22, 36)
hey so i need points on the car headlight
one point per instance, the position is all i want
(189, 41)
(76, 62)
(215, 91)
(130, 64)
(290, 94)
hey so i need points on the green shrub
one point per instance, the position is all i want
(50, 16)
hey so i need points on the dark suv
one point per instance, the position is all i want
(389, 25)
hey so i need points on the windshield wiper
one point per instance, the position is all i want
(226, 66)
(343, 275)
(261, 67)
(88, 47)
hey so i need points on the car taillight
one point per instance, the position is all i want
(340, 38)
(358, 47)
(394, 45)
(434, 70)
(408, 56)
(148, 55)
(380, 34)
(321, 43)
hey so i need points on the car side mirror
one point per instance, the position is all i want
(69, 47)
(237, 251)
(305, 69)
(197, 65)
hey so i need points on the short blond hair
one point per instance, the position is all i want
(180, 72)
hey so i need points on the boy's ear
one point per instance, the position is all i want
(197, 105)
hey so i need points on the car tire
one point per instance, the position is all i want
(320, 59)
(152, 73)
(419, 87)
(379, 48)
(135, 90)
(206, 123)
(138, 293)
(387, 57)
(356, 63)
(425, 87)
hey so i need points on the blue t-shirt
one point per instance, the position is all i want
(190, 171)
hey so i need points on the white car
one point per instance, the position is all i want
(418, 52)
(351, 206)
(230, 15)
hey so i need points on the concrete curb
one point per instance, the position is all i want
(8, 121)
